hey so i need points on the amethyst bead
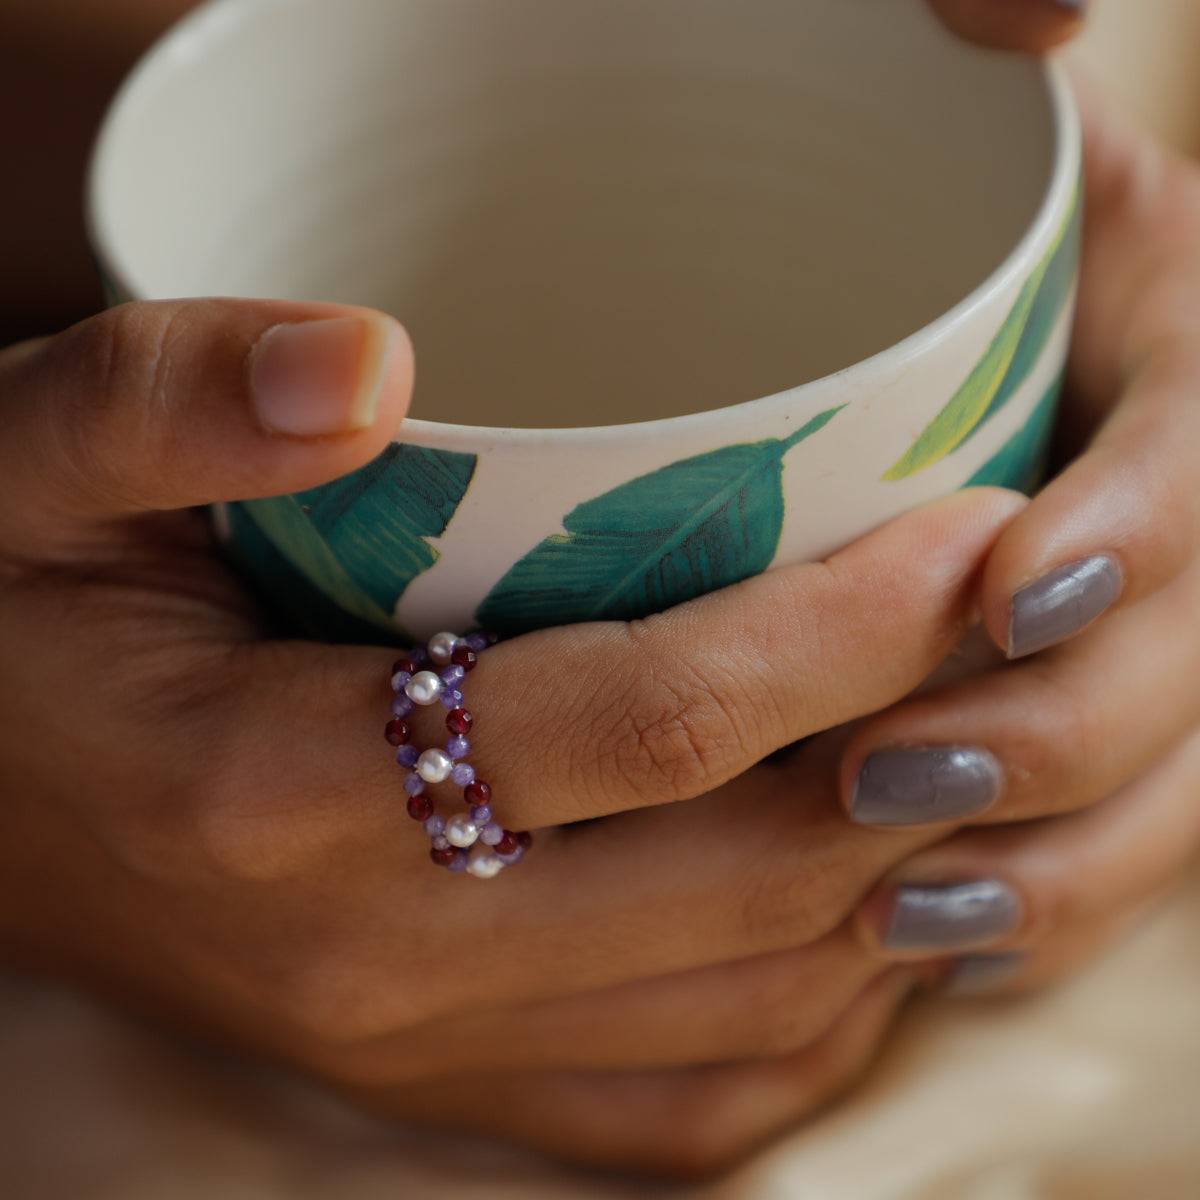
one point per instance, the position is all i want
(437, 841)
(414, 785)
(401, 704)
(451, 698)
(462, 774)
(418, 653)
(458, 746)
(453, 675)
(491, 833)
(407, 756)
(477, 641)
(459, 863)
(434, 825)
(515, 857)
(481, 814)
(400, 679)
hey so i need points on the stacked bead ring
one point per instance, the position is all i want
(468, 841)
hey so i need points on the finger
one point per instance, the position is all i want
(1042, 737)
(766, 1006)
(1009, 889)
(165, 405)
(690, 1123)
(1031, 25)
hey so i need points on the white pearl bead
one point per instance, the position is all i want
(461, 831)
(441, 646)
(483, 864)
(424, 688)
(434, 765)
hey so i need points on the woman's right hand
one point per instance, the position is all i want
(208, 824)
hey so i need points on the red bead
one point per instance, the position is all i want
(404, 664)
(465, 657)
(420, 808)
(525, 838)
(443, 857)
(397, 732)
(458, 720)
(507, 844)
(477, 792)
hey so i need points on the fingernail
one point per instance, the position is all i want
(316, 378)
(979, 973)
(916, 786)
(1072, 5)
(951, 916)
(1061, 603)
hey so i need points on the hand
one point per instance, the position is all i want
(208, 823)
(1090, 738)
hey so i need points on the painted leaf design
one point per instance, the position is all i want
(1007, 362)
(1021, 461)
(680, 531)
(361, 540)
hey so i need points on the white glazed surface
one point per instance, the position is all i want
(884, 243)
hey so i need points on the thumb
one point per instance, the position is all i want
(1034, 26)
(157, 406)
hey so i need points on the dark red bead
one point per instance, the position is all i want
(458, 720)
(397, 732)
(443, 857)
(477, 792)
(404, 664)
(507, 844)
(465, 657)
(525, 838)
(420, 808)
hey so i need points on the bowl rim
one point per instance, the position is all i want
(185, 38)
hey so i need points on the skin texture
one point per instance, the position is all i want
(201, 822)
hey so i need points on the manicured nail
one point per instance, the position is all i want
(951, 916)
(316, 378)
(1061, 603)
(917, 786)
(977, 974)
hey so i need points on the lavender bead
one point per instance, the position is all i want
(414, 785)
(438, 842)
(515, 857)
(490, 834)
(481, 814)
(458, 747)
(451, 698)
(458, 862)
(462, 774)
(407, 756)
(453, 675)
(400, 679)
(434, 825)
(477, 641)
(418, 653)
(401, 704)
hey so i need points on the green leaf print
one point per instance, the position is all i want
(1021, 461)
(680, 531)
(361, 540)
(1008, 361)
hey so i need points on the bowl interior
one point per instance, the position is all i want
(586, 211)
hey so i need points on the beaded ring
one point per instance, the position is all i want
(468, 841)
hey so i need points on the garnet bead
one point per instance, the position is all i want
(444, 857)
(525, 838)
(458, 720)
(420, 808)
(397, 732)
(464, 657)
(404, 664)
(508, 843)
(477, 792)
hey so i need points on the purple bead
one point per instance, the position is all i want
(407, 756)
(459, 862)
(491, 833)
(515, 857)
(418, 653)
(457, 747)
(438, 842)
(462, 774)
(477, 641)
(481, 814)
(434, 825)
(401, 704)
(452, 698)
(414, 785)
(453, 675)
(399, 680)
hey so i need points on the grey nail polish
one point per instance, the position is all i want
(977, 974)
(951, 916)
(1061, 603)
(924, 784)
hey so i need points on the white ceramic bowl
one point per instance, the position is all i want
(697, 287)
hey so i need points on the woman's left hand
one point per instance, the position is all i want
(1089, 738)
